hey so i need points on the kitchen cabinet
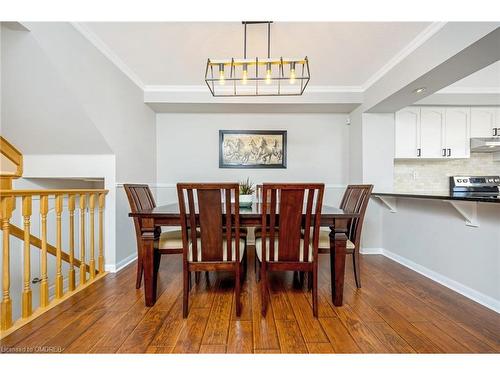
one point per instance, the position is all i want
(485, 122)
(407, 143)
(432, 133)
(457, 132)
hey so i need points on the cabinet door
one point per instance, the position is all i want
(407, 134)
(457, 132)
(482, 122)
(432, 132)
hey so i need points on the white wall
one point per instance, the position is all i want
(60, 95)
(188, 150)
(430, 236)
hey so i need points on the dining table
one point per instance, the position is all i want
(336, 219)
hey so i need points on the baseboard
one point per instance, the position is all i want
(113, 268)
(464, 290)
(371, 251)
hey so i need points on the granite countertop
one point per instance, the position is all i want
(443, 195)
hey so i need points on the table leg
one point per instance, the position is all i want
(338, 241)
(148, 237)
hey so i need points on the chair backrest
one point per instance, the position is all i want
(287, 212)
(139, 197)
(216, 216)
(355, 200)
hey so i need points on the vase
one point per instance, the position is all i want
(246, 200)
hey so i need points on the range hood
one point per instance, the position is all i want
(485, 144)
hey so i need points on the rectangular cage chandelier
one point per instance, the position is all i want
(257, 76)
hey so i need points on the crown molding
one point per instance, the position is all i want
(470, 90)
(420, 39)
(106, 51)
(203, 88)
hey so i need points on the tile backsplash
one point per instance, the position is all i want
(433, 175)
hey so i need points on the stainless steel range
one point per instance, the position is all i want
(475, 186)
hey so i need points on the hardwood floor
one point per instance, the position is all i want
(396, 311)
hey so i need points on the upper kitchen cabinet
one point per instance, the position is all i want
(457, 132)
(432, 129)
(485, 122)
(432, 133)
(408, 133)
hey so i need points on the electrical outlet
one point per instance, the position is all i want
(414, 175)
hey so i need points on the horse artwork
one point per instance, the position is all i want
(252, 149)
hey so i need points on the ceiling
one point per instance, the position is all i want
(488, 77)
(175, 53)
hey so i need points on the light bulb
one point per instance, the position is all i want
(221, 74)
(292, 73)
(245, 74)
(268, 74)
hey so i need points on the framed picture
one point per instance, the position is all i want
(252, 148)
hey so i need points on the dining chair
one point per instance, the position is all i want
(140, 197)
(282, 247)
(355, 200)
(219, 246)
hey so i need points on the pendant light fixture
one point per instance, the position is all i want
(257, 76)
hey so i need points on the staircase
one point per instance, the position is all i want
(82, 269)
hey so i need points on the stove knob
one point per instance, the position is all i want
(490, 180)
(497, 180)
(464, 180)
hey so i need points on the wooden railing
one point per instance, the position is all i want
(88, 204)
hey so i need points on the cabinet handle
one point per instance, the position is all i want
(444, 152)
(449, 152)
(419, 152)
(495, 131)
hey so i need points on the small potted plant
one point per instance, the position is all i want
(246, 193)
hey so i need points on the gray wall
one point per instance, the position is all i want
(60, 95)
(318, 149)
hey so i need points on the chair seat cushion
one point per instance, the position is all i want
(224, 250)
(258, 249)
(171, 239)
(324, 241)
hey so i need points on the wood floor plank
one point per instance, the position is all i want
(319, 348)
(263, 328)
(464, 337)
(189, 340)
(407, 331)
(212, 349)
(282, 309)
(440, 338)
(391, 340)
(159, 349)
(220, 314)
(290, 337)
(367, 341)
(240, 338)
(338, 335)
(309, 326)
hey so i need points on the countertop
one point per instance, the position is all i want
(443, 195)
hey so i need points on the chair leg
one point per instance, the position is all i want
(157, 260)
(237, 290)
(309, 280)
(140, 270)
(197, 277)
(357, 272)
(185, 296)
(259, 268)
(245, 264)
(263, 286)
(315, 292)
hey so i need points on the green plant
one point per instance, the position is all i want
(246, 187)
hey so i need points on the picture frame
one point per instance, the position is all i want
(252, 149)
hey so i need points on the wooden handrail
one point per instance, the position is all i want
(22, 193)
(37, 242)
(13, 154)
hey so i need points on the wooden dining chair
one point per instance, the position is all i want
(355, 200)
(282, 247)
(140, 197)
(211, 211)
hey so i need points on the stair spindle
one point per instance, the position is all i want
(83, 205)
(7, 204)
(44, 284)
(27, 299)
(100, 259)
(59, 276)
(92, 236)
(71, 274)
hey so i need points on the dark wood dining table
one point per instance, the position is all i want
(168, 215)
